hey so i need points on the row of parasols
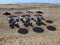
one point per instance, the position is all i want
(28, 18)
(38, 12)
(12, 19)
(39, 20)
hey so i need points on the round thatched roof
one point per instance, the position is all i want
(6, 13)
(40, 12)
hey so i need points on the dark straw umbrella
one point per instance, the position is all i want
(6, 13)
(29, 12)
(39, 12)
(18, 12)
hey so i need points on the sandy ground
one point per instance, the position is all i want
(10, 36)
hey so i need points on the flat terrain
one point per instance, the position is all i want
(10, 36)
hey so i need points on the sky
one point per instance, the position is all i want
(28, 1)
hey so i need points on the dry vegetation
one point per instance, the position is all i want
(10, 36)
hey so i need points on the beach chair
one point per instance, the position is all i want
(13, 22)
(31, 17)
(21, 19)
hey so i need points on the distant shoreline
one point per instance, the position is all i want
(28, 3)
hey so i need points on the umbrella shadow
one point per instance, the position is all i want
(51, 28)
(38, 29)
(23, 31)
(49, 21)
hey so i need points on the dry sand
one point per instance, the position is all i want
(10, 36)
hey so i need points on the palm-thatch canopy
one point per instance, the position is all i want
(6, 13)
(27, 15)
(13, 16)
(18, 12)
(40, 12)
(29, 12)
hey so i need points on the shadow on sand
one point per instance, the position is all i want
(51, 28)
(23, 31)
(49, 21)
(38, 29)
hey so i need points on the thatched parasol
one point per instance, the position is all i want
(13, 16)
(6, 13)
(18, 12)
(40, 12)
(29, 12)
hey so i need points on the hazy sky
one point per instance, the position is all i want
(28, 1)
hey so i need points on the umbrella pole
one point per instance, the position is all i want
(18, 17)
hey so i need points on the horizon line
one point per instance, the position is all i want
(29, 3)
